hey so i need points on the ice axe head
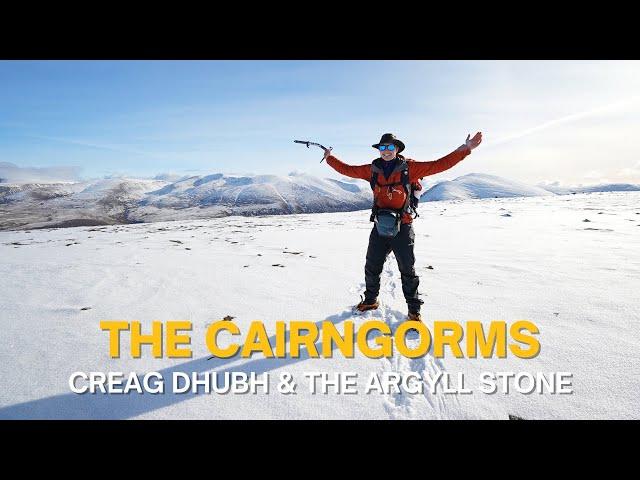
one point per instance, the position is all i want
(303, 142)
(307, 143)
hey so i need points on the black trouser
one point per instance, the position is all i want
(402, 246)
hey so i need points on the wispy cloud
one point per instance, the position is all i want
(561, 120)
(11, 173)
(143, 117)
(99, 146)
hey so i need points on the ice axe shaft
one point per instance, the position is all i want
(307, 143)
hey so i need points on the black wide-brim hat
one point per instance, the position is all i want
(390, 138)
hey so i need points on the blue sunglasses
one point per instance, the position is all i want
(386, 147)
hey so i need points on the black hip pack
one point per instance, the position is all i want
(387, 222)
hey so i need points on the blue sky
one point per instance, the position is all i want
(568, 121)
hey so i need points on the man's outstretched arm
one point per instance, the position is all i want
(424, 169)
(353, 171)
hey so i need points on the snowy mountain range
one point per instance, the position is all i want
(256, 195)
(479, 185)
(134, 200)
(603, 187)
(166, 197)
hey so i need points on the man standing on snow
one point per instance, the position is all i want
(390, 175)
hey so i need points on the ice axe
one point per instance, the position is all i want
(307, 143)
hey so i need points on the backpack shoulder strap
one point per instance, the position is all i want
(376, 169)
(403, 167)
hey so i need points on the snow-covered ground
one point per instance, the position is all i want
(535, 258)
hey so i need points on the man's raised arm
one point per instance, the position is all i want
(424, 169)
(353, 171)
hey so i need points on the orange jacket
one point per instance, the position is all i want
(394, 197)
